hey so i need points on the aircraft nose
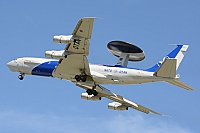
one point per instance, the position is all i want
(12, 65)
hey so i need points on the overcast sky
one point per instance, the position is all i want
(47, 105)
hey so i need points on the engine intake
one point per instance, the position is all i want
(117, 106)
(63, 39)
(85, 96)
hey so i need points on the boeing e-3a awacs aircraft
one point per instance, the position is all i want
(72, 64)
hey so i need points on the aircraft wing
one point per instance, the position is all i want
(74, 64)
(84, 28)
(119, 100)
(81, 34)
(75, 61)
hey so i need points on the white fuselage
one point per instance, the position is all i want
(101, 74)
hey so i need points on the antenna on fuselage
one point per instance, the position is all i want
(126, 52)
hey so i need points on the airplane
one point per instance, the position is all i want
(72, 64)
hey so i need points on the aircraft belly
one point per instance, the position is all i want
(126, 80)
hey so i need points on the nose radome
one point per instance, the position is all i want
(12, 65)
(9, 64)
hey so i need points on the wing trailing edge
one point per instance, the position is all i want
(123, 102)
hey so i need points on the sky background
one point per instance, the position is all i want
(48, 105)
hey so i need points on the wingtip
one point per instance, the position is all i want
(192, 89)
(92, 17)
(167, 115)
(161, 114)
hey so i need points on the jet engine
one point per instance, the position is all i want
(85, 96)
(117, 106)
(55, 54)
(63, 39)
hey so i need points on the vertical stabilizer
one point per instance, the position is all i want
(178, 54)
(167, 68)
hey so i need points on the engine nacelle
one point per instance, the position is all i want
(55, 54)
(117, 106)
(85, 96)
(63, 39)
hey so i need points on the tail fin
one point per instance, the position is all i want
(178, 54)
(167, 68)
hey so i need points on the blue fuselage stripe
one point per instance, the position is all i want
(174, 53)
(45, 69)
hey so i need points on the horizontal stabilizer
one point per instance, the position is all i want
(167, 69)
(179, 84)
